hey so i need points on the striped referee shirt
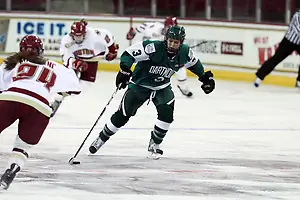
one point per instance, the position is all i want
(293, 32)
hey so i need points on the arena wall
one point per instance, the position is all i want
(232, 50)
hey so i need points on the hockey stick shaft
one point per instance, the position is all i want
(96, 122)
(130, 26)
(199, 44)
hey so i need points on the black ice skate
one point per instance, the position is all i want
(154, 150)
(54, 106)
(96, 145)
(9, 175)
(185, 92)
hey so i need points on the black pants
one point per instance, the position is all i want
(284, 49)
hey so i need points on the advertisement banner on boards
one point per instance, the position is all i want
(225, 46)
(3, 33)
(51, 32)
(265, 46)
(218, 46)
(247, 47)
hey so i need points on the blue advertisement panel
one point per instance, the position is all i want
(50, 31)
(3, 33)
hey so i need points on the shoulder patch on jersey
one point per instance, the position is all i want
(68, 45)
(97, 32)
(150, 48)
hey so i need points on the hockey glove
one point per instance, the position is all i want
(113, 52)
(79, 65)
(131, 33)
(123, 78)
(208, 82)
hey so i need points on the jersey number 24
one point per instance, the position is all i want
(27, 71)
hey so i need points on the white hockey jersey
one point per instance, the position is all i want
(92, 47)
(151, 30)
(32, 84)
(106, 35)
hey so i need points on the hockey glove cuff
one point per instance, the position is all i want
(122, 79)
(208, 82)
(80, 65)
(131, 33)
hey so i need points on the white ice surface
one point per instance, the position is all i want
(240, 142)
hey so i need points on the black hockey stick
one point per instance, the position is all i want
(199, 44)
(72, 160)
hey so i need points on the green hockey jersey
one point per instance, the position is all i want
(154, 67)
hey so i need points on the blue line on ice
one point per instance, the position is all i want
(181, 129)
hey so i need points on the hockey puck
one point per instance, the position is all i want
(76, 162)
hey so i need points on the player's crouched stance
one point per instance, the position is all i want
(26, 80)
(156, 63)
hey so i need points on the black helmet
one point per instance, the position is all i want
(176, 32)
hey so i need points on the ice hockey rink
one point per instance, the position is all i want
(240, 142)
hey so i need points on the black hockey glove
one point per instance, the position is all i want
(208, 82)
(123, 78)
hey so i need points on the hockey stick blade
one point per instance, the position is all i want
(73, 162)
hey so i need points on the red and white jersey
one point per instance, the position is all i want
(32, 84)
(92, 46)
(151, 30)
(106, 35)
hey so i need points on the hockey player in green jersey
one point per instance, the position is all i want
(156, 62)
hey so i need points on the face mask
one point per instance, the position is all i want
(78, 39)
(172, 45)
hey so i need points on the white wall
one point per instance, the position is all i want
(228, 44)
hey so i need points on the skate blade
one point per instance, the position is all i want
(3, 187)
(54, 110)
(154, 156)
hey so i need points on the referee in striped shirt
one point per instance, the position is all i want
(289, 43)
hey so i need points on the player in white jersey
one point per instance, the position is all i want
(82, 49)
(112, 46)
(26, 81)
(156, 31)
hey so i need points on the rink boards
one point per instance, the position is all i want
(220, 146)
(286, 79)
(234, 51)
